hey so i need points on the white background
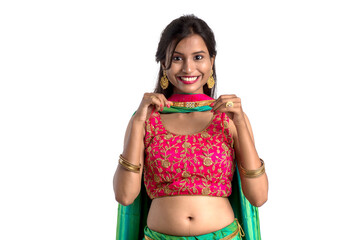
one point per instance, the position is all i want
(73, 72)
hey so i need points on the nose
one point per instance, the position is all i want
(188, 65)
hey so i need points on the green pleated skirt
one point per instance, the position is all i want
(233, 231)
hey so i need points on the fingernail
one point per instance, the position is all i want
(160, 105)
(212, 110)
(212, 104)
(168, 105)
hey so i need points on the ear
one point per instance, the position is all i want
(212, 60)
(163, 65)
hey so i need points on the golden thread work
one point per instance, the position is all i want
(193, 104)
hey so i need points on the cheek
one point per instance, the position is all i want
(206, 69)
(205, 66)
(173, 70)
(171, 75)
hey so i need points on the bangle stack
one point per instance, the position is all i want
(253, 173)
(129, 166)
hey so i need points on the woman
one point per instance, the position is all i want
(188, 158)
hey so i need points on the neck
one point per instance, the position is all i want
(178, 91)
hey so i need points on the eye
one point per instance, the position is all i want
(176, 58)
(198, 57)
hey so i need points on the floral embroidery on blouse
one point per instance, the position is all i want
(197, 164)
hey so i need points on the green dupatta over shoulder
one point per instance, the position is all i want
(132, 219)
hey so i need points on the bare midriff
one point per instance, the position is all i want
(189, 215)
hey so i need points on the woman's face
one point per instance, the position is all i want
(191, 65)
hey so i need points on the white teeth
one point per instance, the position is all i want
(188, 78)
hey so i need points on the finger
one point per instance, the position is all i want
(161, 99)
(154, 100)
(222, 103)
(165, 101)
(169, 104)
(225, 109)
(223, 98)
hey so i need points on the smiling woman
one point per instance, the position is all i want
(178, 175)
(191, 65)
(173, 50)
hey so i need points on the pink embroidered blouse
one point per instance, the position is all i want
(197, 164)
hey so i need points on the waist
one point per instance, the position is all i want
(189, 215)
(186, 182)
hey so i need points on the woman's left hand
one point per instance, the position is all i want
(234, 112)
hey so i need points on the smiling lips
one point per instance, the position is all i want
(188, 79)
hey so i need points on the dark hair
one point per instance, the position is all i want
(177, 30)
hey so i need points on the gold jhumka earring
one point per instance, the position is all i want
(164, 80)
(210, 81)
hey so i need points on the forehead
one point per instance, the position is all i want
(190, 44)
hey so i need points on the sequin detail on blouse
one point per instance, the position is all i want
(197, 164)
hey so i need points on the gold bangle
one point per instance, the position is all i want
(129, 166)
(131, 169)
(128, 163)
(253, 173)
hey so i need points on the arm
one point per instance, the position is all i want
(254, 189)
(126, 184)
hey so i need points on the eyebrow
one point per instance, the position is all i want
(192, 53)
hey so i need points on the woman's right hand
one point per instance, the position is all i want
(150, 101)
